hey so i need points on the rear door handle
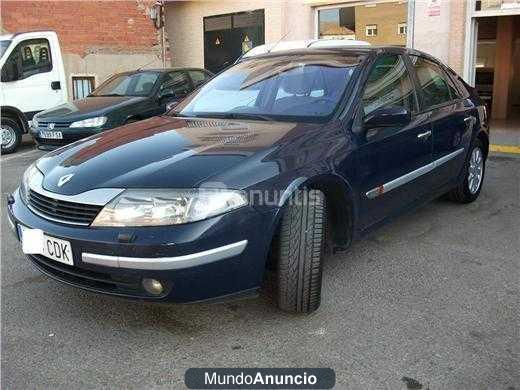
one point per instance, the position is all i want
(425, 135)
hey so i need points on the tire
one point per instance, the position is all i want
(468, 189)
(11, 135)
(300, 247)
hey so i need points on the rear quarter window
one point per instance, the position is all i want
(459, 84)
(433, 82)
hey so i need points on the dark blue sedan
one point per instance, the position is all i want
(279, 159)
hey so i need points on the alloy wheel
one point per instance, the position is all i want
(8, 136)
(476, 170)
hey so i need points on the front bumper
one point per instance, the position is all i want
(70, 135)
(215, 258)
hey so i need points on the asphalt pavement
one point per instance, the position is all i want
(432, 299)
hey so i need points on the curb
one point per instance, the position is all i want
(510, 149)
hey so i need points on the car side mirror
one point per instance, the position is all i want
(389, 116)
(166, 93)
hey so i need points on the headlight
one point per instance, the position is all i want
(168, 207)
(31, 174)
(90, 122)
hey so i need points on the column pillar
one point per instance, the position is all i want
(503, 73)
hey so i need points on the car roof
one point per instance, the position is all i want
(303, 44)
(161, 70)
(343, 49)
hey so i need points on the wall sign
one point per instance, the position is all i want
(433, 8)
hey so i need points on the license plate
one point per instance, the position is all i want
(35, 241)
(51, 134)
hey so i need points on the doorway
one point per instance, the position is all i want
(497, 65)
(227, 37)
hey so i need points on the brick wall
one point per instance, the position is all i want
(85, 27)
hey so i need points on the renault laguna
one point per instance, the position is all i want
(282, 158)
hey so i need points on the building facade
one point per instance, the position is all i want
(213, 34)
(97, 38)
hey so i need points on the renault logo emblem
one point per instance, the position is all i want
(64, 179)
(50, 126)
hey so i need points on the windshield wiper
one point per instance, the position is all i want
(108, 94)
(179, 115)
(244, 115)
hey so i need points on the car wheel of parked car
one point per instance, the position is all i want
(470, 185)
(11, 135)
(300, 251)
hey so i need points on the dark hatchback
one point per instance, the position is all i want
(122, 99)
(271, 162)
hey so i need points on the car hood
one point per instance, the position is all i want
(164, 152)
(87, 108)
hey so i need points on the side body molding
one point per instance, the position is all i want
(392, 185)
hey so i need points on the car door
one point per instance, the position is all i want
(391, 160)
(35, 88)
(452, 117)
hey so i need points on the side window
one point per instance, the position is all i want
(389, 84)
(145, 83)
(433, 84)
(178, 83)
(455, 94)
(458, 85)
(198, 77)
(31, 57)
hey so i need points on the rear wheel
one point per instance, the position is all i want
(470, 185)
(11, 135)
(300, 247)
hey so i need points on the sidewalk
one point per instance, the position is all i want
(505, 136)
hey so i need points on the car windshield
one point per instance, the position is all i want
(305, 88)
(136, 84)
(4, 44)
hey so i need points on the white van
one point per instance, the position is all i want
(32, 80)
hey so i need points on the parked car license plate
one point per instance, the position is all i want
(51, 134)
(34, 241)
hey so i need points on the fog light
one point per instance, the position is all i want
(153, 286)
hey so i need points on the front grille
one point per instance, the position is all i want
(62, 211)
(57, 125)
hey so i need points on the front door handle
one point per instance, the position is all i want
(425, 135)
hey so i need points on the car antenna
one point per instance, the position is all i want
(277, 42)
(142, 66)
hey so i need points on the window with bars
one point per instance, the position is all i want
(82, 86)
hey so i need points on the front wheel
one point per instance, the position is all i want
(300, 252)
(11, 135)
(470, 185)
